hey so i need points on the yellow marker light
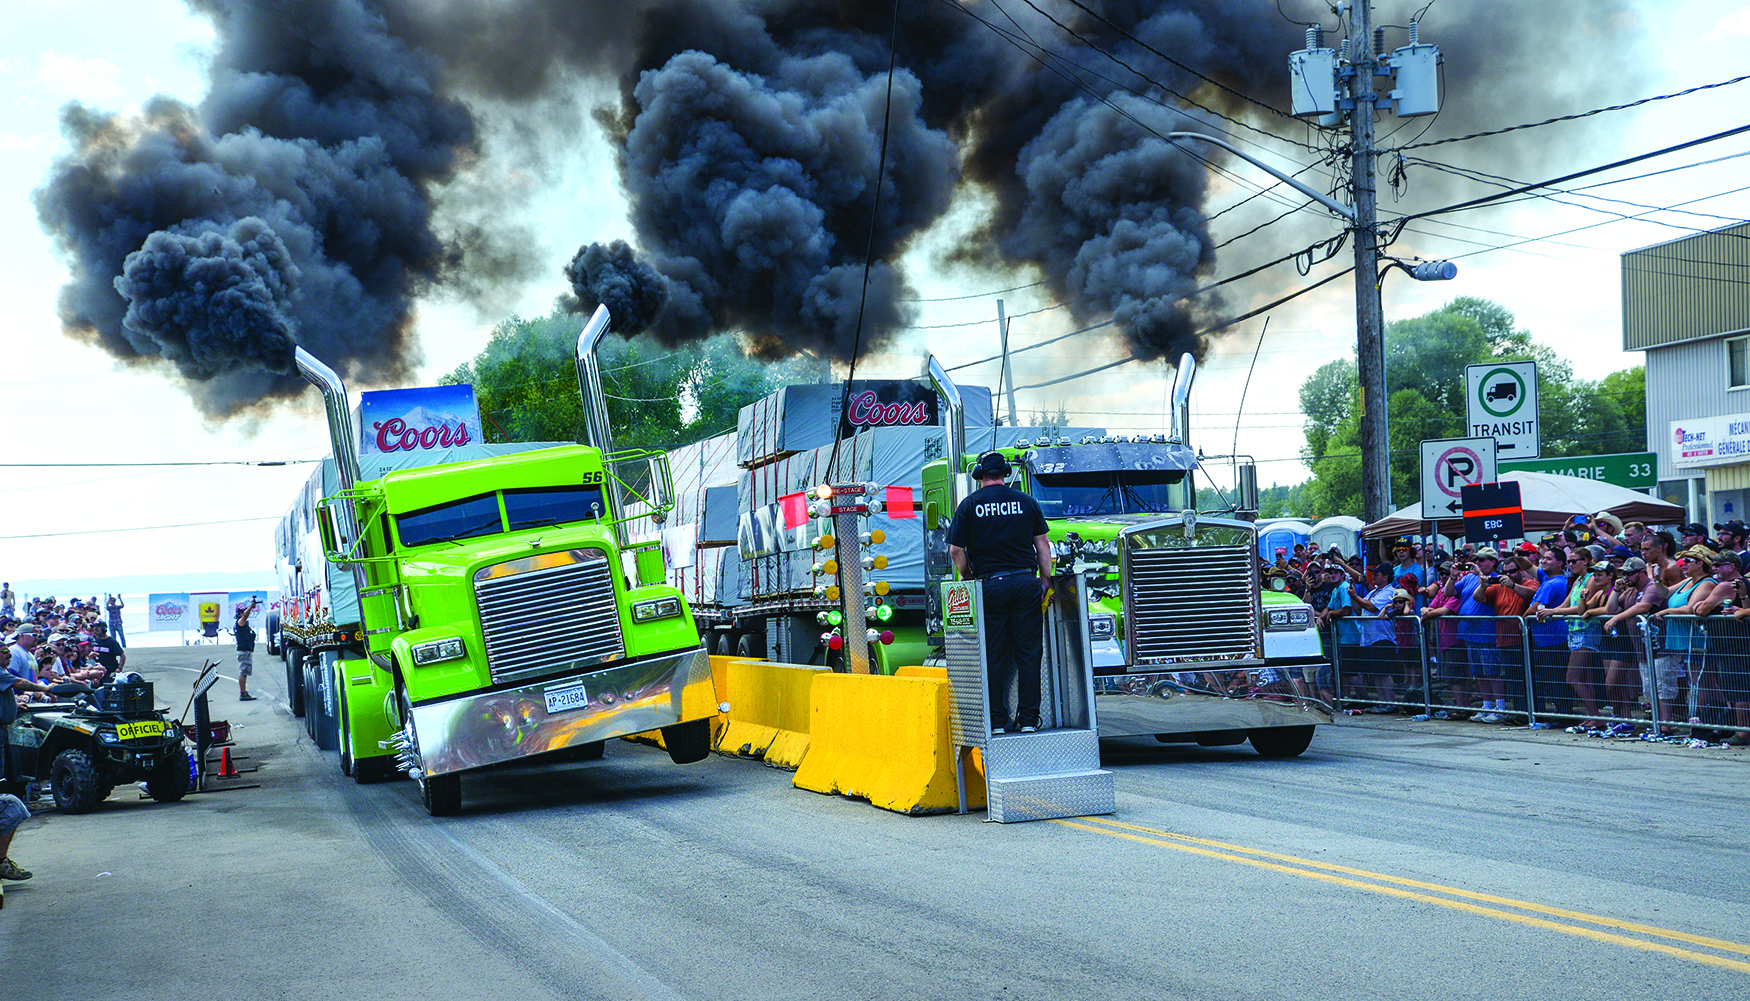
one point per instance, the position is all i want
(875, 563)
(823, 492)
(832, 592)
(875, 537)
(830, 567)
(824, 542)
(881, 587)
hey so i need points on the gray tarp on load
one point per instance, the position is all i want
(779, 559)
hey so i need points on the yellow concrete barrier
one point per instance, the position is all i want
(719, 666)
(886, 740)
(768, 711)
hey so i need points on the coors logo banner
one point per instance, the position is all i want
(430, 420)
(885, 404)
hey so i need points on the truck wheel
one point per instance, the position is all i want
(368, 770)
(749, 648)
(169, 779)
(591, 751)
(688, 742)
(1281, 741)
(721, 644)
(441, 794)
(295, 678)
(77, 787)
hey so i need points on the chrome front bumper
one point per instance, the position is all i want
(626, 698)
(1140, 705)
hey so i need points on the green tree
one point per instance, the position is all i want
(657, 397)
(1425, 361)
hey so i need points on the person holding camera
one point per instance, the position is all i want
(245, 635)
(998, 535)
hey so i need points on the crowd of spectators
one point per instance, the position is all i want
(50, 642)
(1613, 616)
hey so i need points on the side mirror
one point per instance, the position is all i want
(661, 483)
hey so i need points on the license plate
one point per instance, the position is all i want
(566, 699)
(144, 728)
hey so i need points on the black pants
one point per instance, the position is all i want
(1014, 628)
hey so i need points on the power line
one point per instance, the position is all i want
(1573, 117)
(142, 528)
(983, 295)
(1499, 195)
(137, 465)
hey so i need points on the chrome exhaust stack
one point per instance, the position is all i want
(589, 383)
(953, 425)
(341, 435)
(596, 430)
(1181, 415)
(343, 439)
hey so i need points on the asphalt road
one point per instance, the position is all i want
(1406, 860)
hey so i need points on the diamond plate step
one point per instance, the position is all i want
(1039, 776)
(1044, 797)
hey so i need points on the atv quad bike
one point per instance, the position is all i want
(98, 739)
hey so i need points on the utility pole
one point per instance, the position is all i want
(1008, 379)
(1369, 315)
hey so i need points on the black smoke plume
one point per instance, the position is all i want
(295, 200)
(748, 136)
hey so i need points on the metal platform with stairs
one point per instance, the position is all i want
(1054, 772)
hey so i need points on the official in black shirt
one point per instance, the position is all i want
(998, 535)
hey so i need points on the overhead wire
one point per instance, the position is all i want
(1574, 117)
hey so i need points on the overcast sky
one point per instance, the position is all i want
(65, 402)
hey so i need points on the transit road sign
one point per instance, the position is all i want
(1501, 403)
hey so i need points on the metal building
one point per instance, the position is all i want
(1686, 304)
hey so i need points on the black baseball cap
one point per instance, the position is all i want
(991, 466)
(1734, 526)
(1693, 528)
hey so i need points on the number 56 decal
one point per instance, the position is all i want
(592, 479)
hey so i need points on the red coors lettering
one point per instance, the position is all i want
(865, 409)
(394, 435)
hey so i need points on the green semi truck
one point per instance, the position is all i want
(470, 605)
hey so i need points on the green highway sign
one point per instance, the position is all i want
(1635, 470)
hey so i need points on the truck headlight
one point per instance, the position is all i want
(438, 650)
(656, 608)
(1102, 627)
(1289, 618)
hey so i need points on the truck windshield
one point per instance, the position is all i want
(463, 519)
(553, 506)
(1126, 491)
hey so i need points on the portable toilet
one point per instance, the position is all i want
(1281, 533)
(1340, 530)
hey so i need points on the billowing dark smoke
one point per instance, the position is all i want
(213, 300)
(748, 135)
(295, 199)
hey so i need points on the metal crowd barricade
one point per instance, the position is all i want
(1724, 681)
(1380, 663)
(1702, 667)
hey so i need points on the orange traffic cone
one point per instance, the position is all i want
(226, 769)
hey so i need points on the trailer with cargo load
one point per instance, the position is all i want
(449, 605)
(1217, 662)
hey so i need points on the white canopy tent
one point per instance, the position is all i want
(1549, 500)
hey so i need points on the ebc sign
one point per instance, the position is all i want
(887, 403)
(417, 420)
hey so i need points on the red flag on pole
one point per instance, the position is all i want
(899, 503)
(795, 509)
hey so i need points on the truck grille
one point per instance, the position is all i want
(1190, 605)
(549, 613)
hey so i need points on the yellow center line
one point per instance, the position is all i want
(1180, 843)
(1526, 905)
